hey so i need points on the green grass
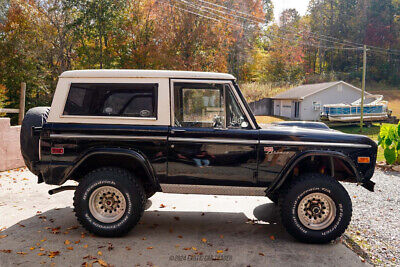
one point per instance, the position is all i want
(372, 132)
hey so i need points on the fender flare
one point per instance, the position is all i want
(134, 155)
(283, 175)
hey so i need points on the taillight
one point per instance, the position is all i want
(57, 150)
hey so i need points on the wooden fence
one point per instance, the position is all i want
(21, 110)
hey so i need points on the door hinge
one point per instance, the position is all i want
(255, 177)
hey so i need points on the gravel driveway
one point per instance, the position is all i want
(375, 224)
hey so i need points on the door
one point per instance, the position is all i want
(296, 109)
(211, 141)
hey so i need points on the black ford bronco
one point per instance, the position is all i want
(127, 134)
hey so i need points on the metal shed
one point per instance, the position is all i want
(305, 102)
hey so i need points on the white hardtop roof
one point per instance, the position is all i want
(115, 73)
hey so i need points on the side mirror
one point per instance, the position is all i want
(244, 124)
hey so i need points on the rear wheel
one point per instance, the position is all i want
(109, 201)
(315, 208)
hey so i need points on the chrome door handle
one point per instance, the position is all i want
(178, 131)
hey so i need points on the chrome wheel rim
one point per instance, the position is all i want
(107, 204)
(316, 211)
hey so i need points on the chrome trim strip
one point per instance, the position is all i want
(113, 137)
(214, 140)
(213, 190)
(305, 143)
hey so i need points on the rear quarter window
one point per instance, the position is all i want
(106, 99)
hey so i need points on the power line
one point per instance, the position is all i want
(201, 15)
(186, 3)
(200, 7)
(319, 35)
(234, 23)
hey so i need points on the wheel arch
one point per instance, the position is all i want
(333, 161)
(128, 159)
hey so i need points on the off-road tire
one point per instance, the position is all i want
(35, 117)
(127, 184)
(291, 196)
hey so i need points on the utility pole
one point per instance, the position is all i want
(22, 103)
(363, 86)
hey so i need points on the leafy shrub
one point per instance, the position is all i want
(389, 140)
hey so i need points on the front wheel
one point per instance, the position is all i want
(109, 201)
(315, 208)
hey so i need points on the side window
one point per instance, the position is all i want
(118, 99)
(234, 114)
(199, 105)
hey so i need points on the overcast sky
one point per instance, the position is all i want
(299, 5)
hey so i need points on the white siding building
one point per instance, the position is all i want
(305, 102)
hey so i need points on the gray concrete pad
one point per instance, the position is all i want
(176, 230)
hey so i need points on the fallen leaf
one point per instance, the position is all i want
(204, 240)
(41, 249)
(41, 254)
(261, 254)
(52, 254)
(32, 248)
(144, 238)
(73, 227)
(6, 250)
(85, 246)
(99, 253)
(194, 248)
(110, 247)
(220, 251)
(186, 248)
(162, 206)
(179, 236)
(177, 218)
(149, 247)
(67, 242)
(21, 225)
(44, 239)
(128, 248)
(221, 236)
(272, 237)
(21, 253)
(77, 242)
(70, 248)
(102, 263)
(90, 257)
(56, 230)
